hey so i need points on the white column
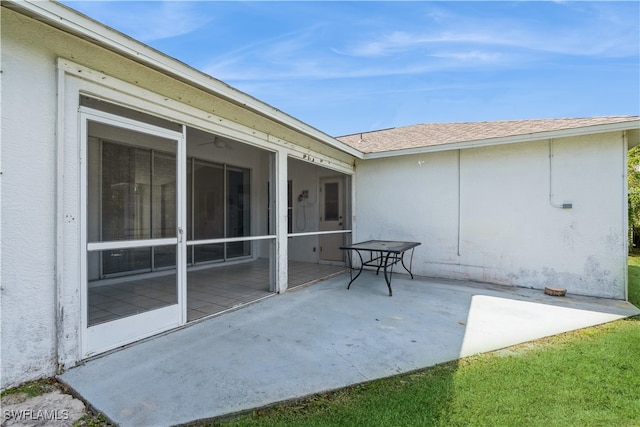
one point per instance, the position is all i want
(282, 276)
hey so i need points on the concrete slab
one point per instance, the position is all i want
(321, 338)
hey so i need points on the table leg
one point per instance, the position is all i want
(379, 258)
(410, 262)
(387, 277)
(351, 268)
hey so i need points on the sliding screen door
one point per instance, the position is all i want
(219, 207)
(208, 216)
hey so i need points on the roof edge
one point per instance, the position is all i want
(514, 139)
(71, 21)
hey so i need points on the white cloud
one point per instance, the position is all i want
(148, 20)
(585, 42)
(170, 19)
(585, 29)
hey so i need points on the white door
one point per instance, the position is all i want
(133, 272)
(331, 218)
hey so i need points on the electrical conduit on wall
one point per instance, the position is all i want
(566, 205)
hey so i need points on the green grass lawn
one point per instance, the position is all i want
(589, 377)
(634, 278)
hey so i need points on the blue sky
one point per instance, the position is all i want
(350, 67)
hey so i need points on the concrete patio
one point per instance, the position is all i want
(320, 338)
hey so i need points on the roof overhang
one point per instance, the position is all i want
(68, 20)
(632, 129)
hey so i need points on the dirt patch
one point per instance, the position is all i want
(45, 403)
(52, 408)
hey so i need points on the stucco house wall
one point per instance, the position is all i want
(28, 207)
(494, 214)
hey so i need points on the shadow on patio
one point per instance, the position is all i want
(320, 338)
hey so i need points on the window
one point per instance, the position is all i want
(331, 201)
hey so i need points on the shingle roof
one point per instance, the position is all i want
(436, 134)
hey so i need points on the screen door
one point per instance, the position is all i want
(133, 230)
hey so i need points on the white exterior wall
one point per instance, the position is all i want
(28, 244)
(484, 214)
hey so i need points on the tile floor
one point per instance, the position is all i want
(209, 291)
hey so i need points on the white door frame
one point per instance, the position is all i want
(112, 334)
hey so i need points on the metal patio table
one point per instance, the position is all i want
(382, 254)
